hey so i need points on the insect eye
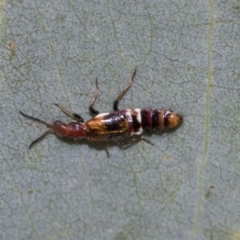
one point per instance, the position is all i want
(57, 122)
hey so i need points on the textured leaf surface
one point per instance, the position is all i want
(187, 57)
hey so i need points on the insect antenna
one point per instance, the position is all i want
(40, 138)
(49, 125)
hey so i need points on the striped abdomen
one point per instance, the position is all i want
(148, 119)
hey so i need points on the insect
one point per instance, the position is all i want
(125, 127)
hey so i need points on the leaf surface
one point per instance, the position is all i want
(187, 56)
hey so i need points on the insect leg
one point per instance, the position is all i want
(71, 114)
(91, 109)
(146, 140)
(96, 140)
(115, 104)
(133, 141)
(107, 152)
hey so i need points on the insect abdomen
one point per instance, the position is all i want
(159, 119)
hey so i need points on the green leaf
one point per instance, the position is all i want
(187, 56)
